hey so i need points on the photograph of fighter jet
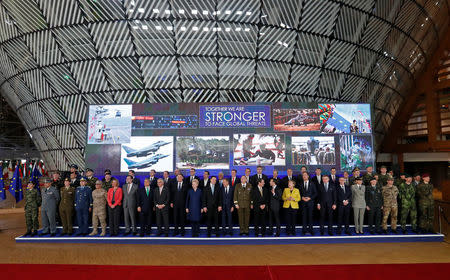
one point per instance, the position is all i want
(356, 151)
(109, 124)
(345, 118)
(313, 150)
(144, 153)
(203, 152)
(296, 119)
(259, 149)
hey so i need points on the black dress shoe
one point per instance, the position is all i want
(53, 234)
(209, 235)
(159, 234)
(348, 232)
(27, 233)
(62, 234)
(43, 233)
(277, 234)
(339, 232)
(34, 233)
(166, 235)
(394, 231)
(312, 232)
(141, 234)
(126, 233)
(322, 233)
(330, 233)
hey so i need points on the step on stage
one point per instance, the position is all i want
(236, 239)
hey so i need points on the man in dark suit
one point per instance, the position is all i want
(188, 180)
(275, 204)
(326, 204)
(178, 204)
(259, 200)
(161, 198)
(334, 179)
(308, 193)
(166, 179)
(211, 205)
(275, 178)
(317, 179)
(145, 207)
(153, 179)
(136, 181)
(259, 175)
(234, 180)
(290, 176)
(129, 204)
(227, 205)
(205, 181)
(344, 204)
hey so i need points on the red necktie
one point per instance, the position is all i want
(232, 182)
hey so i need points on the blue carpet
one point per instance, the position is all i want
(236, 239)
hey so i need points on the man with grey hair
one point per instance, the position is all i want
(50, 199)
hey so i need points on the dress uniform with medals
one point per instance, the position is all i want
(83, 205)
(66, 207)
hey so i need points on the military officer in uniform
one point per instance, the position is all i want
(390, 206)
(383, 176)
(107, 180)
(66, 207)
(426, 204)
(242, 204)
(56, 181)
(83, 205)
(407, 195)
(50, 199)
(99, 196)
(91, 180)
(368, 176)
(374, 205)
(32, 202)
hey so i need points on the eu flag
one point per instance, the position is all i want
(2, 185)
(15, 188)
(35, 175)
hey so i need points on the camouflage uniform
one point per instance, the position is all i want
(106, 185)
(390, 206)
(366, 178)
(407, 195)
(383, 179)
(99, 211)
(33, 200)
(91, 182)
(66, 208)
(426, 206)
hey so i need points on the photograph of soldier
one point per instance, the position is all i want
(296, 119)
(426, 204)
(345, 118)
(390, 207)
(356, 151)
(33, 200)
(66, 207)
(407, 196)
(259, 149)
(313, 150)
(210, 152)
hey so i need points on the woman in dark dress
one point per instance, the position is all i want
(194, 207)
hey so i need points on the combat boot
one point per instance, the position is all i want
(94, 232)
(27, 233)
(34, 233)
(103, 231)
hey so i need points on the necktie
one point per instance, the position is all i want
(343, 188)
(179, 186)
(160, 190)
(306, 185)
(226, 190)
(212, 189)
(326, 187)
(260, 191)
(129, 188)
(146, 190)
(290, 178)
(192, 178)
(259, 176)
(232, 181)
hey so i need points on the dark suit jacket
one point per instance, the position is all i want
(278, 182)
(211, 200)
(344, 196)
(145, 201)
(259, 200)
(275, 199)
(254, 180)
(187, 181)
(327, 197)
(336, 180)
(167, 184)
(202, 185)
(236, 181)
(178, 198)
(316, 181)
(285, 181)
(137, 182)
(163, 198)
(312, 191)
(227, 200)
(153, 183)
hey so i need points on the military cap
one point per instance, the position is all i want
(47, 180)
(98, 182)
(416, 174)
(355, 169)
(74, 166)
(373, 178)
(403, 174)
(67, 179)
(425, 175)
(107, 171)
(407, 175)
(390, 178)
(358, 178)
(83, 179)
(383, 166)
(89, 169)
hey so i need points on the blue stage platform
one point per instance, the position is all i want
(236, 239)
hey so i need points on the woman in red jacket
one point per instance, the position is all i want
(115, 196)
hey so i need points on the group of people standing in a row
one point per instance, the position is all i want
(216, 198)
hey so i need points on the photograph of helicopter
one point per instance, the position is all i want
(109, 124)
